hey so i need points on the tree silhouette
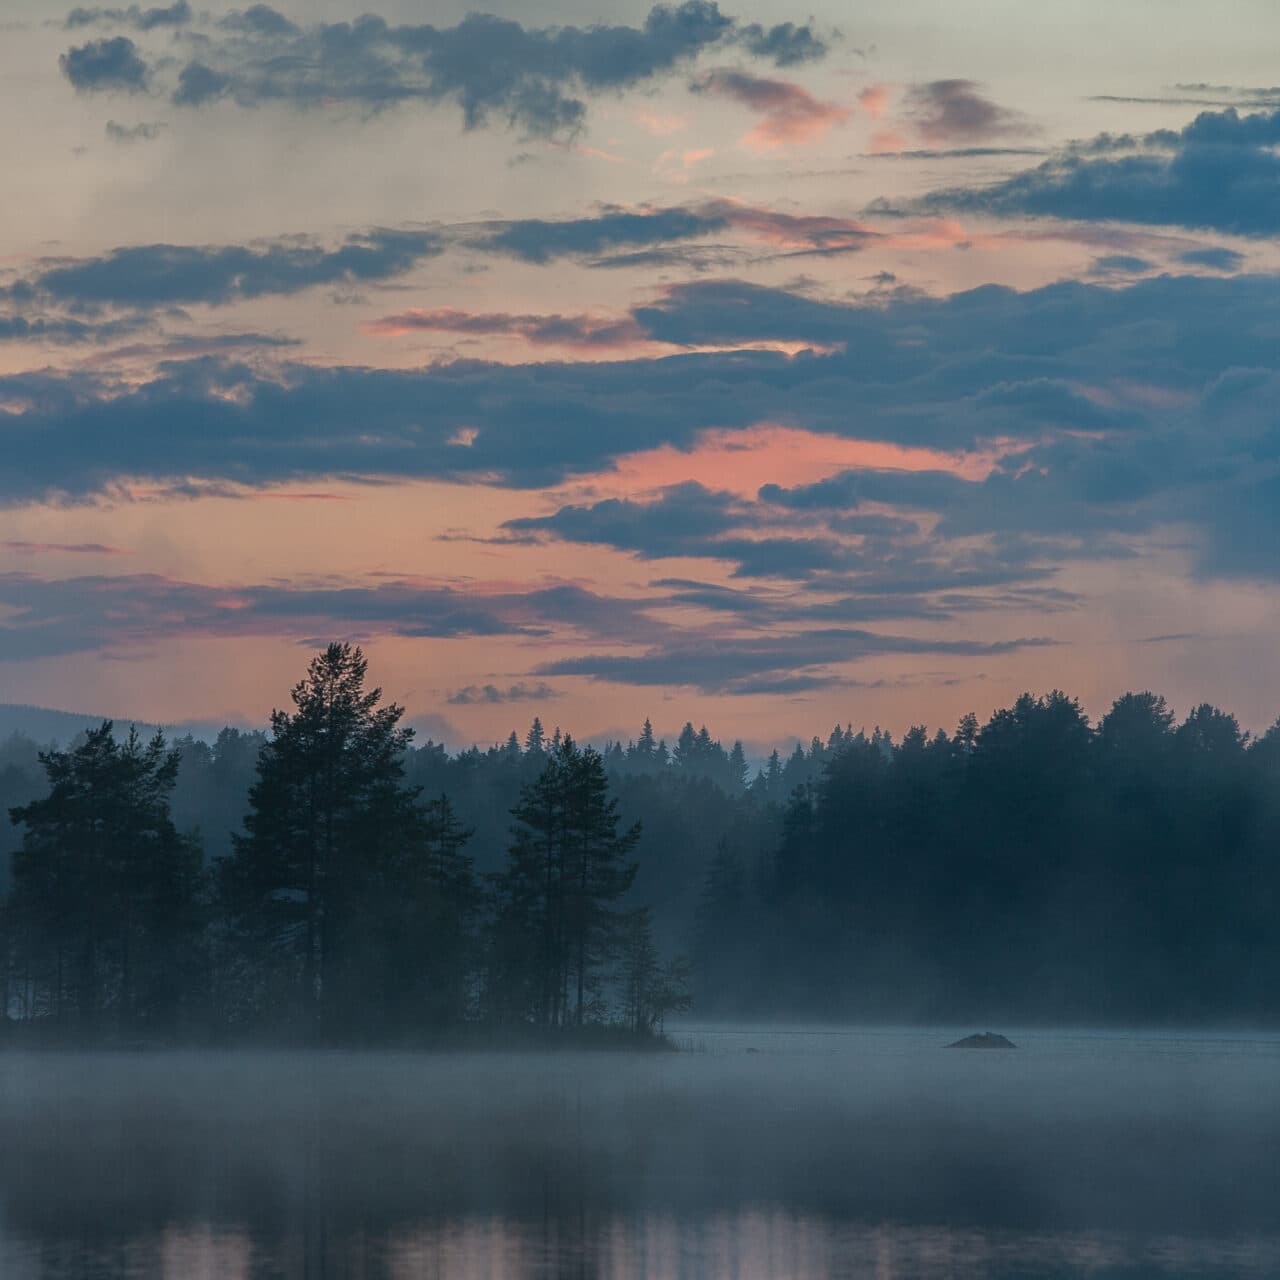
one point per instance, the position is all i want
(326, 818)
(105, 902)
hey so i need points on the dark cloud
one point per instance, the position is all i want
(784, 44)
(585, 331)
(45, 617)
(954, 153)
(691, 521)
(174, 15)
(199, 84)
(532, 78)
(725, 665)
(596, 239)
(1228, 260)
(105, 64)
(1120, 264)
(789, 113)
(734, 311)
(259, 20)
(492, 694)
(682, 515)
(955, 111)
(540, 241)
(164, 275)
(696, 259)
(688, 521)
(1116, 412)
(65, 329)
(1220, 173)
(144, 131)
(186, 345)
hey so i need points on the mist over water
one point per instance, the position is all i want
(822, 1153)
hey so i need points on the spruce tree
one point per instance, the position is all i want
(327, 814)
(106, 893)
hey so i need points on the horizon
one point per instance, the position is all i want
(432, 727)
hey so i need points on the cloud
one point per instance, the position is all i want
(259, 20)
(186, 345)
(653, 230)
(540, 241)
(845, 551)
(1120, 264)
(175, 15)
(874, 100)
(946, 111)
(1228, 260)
(789, 114)
(952, 153)
(105, 65)
(44, 617)
(535, 79)
(164, 275)
(64, 329)
(493, 695)
(784, 44)
(199, 84)
(144, 131)
(62, 548)
(1219, 173)
(1108, 414)
(725, 312)
(763, 664)
(585, 331)
(680, 515)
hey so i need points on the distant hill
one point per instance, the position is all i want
(44, 725)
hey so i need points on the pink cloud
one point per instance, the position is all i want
(675, 165)
(954, 111)
(740, 461)
(660, 126)
(887, 142)
(874, 99)
(790, 114)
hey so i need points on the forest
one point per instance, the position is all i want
(330, 881)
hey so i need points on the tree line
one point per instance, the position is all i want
(332, 879)
(346, 908)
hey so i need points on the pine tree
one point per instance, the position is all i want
(650, 990)
(566, 867)
(327, 815)
(598, 872)
(422, 922)
(106, 893)
(685, 754)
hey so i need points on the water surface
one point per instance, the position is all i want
(756, 1153)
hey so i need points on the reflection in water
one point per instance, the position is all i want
(862, 1155)
(759, 1244)
(768, 1244)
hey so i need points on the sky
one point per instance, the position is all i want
(601, 361)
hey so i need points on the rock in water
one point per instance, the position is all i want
(983, 1040)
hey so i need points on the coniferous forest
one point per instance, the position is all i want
(330, 881)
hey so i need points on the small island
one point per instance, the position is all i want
(983, 1040)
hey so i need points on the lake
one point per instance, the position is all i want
(757, 1152)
